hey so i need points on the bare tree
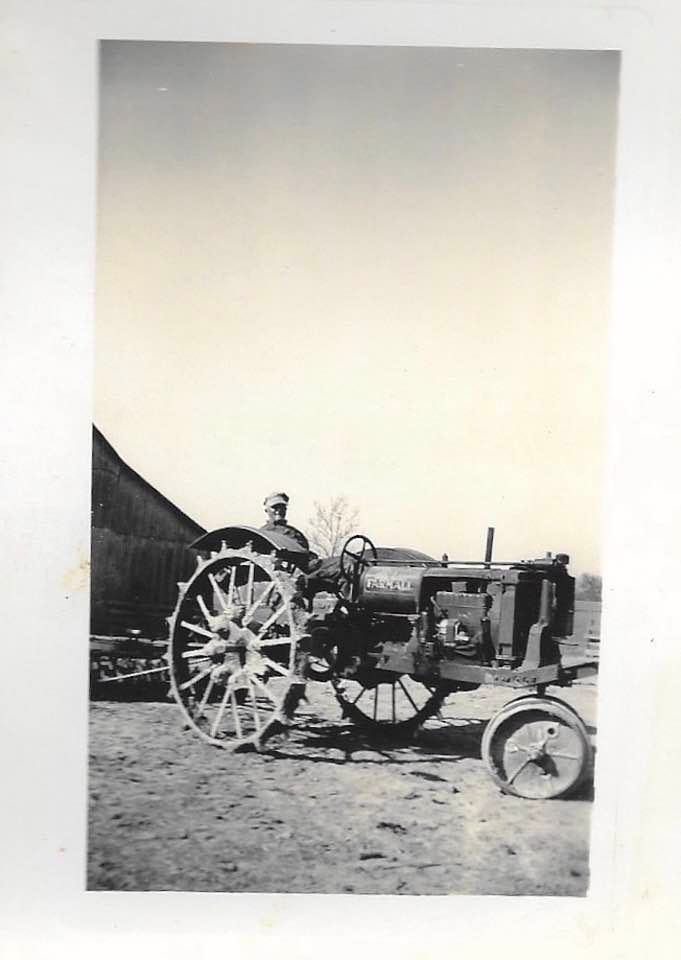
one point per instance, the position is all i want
(589, 586)
(332, 523)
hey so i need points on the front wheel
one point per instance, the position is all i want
(537, 748)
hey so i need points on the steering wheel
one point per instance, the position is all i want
(354, 558)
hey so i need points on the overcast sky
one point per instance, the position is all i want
(377, 272)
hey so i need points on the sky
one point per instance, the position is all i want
(377, 272)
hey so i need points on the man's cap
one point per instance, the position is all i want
(275, 498)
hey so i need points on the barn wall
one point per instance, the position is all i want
(139, 549)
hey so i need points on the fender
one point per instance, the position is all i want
(262, 541)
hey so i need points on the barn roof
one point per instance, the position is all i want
(103, 451)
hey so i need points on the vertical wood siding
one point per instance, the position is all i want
(139, 549)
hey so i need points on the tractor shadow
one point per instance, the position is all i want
(319, 741)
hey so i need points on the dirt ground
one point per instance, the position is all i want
(325, 810)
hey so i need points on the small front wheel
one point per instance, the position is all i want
(537, 748)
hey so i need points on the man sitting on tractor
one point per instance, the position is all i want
(322, 574)
(276, 505)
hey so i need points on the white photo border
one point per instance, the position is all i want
(49, 256)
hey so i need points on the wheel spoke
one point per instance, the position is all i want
(256, 715)
(232, 579)
(249, 589)
(221, 709)
(276, 666)
(270, 620)
(518, 769)
(393, 692)
(274, 642)
(219, 595)
(204, 609)
(292, 633)
(195, 628)
(195, 679)
(407, 695)
(360, 694)
(261, 599)
(235, 714)
(206, 695)
(268, 693)
(376, 689)
(128, 676)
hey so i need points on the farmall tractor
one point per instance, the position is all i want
(394, 631)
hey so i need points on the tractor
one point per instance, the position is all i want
(395, 632)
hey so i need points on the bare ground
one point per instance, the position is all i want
(325, 810)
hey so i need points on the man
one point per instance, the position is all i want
(322, 574)
(276, 506)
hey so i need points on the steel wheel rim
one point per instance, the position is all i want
(234, 657)
(537, 749)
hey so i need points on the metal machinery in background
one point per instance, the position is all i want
(395, 634)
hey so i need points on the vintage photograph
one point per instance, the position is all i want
(348, 460)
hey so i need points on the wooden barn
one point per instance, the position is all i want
(139, 550)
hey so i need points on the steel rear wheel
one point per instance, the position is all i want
(236, 669)
(537, 748)
(394, 706)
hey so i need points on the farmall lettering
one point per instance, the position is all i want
(391, 589)
(402, 584)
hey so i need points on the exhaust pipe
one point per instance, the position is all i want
(490, 545)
